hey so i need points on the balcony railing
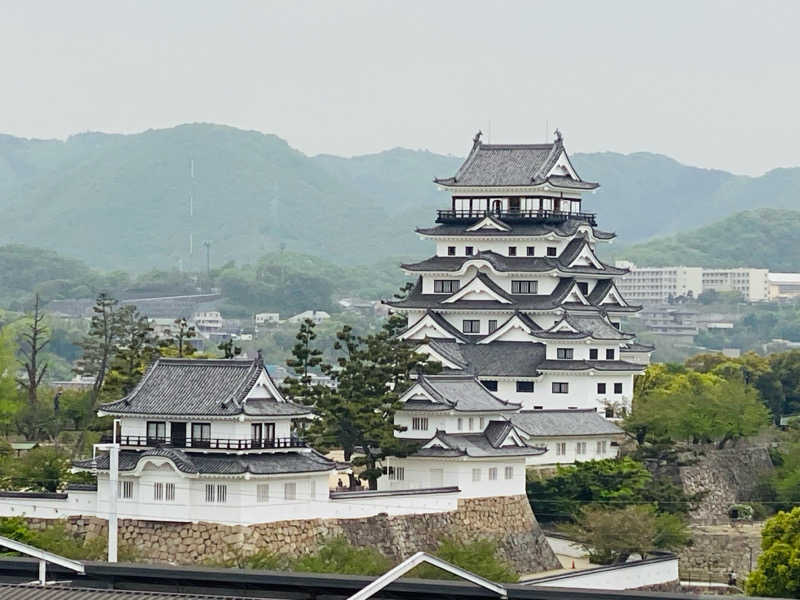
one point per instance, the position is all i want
(143, 441)
(542, 216)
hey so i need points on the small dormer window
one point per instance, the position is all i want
(445, 286)
(552, 251)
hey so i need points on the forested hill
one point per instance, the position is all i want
(767, 238)
(122, 201)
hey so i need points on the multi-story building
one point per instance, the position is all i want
(525, 321)
(753, 284)
(783, 286)
(515, 293)
(651, 285)
(656, 285)
(211, 440)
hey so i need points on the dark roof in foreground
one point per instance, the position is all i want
(267, 463)
(174, 386)
(551, 423)
(66, 592)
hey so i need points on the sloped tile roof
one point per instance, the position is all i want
(267, 463)
(585, 365)
(201, 387)
(463, 393)
(475, 445)
(552, 423)
(564, 229)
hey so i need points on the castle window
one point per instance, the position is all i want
(610, 354)
(490, 384)
(524, 287)
(158, 492)
(564, 353)
(476, 474)
(512, 250)
(492, 473)
(531, 251)
(492, 325)
(451, 251)
(290, 491)
(617, 388)
(125, 490)
(262, 493)
(583, 287)
(525, 387)
(169, 492)
(471, 423)
(509, 472)
(552, 251)
(580, 448)
(601, 388)
(460, 423)
(471, 326)
(592, 353)
(468, 250)
(601, 447)
(397, 473)
(561, 448)
(609, 412)
(419, 423)
(201, 435)
(156, 431)
(560, 387)
(216, 493)
(445, 286)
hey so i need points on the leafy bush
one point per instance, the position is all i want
(479, 557)
(337, 555)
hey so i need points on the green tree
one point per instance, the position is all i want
(479, 556)
(135, 348)
(229, 350)
(305, 358)
(611, 535)
(9, 396)
(44, 469)
(359, 412)
(337, 555)
(178, 341)
(778, 569)
(100, 344)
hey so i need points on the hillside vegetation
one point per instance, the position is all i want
(766, 238)
(122, 201)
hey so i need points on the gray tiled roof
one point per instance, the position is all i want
(636, 347)
(551, 423)
(534, 264)
(496, 432)
(201, 387)
(497, 359)
(267, 463)
(565, 229)
(511, 164)
(475, 445)
(463, 393)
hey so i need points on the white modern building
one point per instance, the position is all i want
(208, 321)
(753, 284)
(265, 318)
(315, 315)
(783, 286)
(659, 284)
(515, 293)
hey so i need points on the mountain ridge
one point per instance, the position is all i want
(122, 200)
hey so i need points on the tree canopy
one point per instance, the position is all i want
(778, 569)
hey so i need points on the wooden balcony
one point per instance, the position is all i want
(141, 441)
(514, 216)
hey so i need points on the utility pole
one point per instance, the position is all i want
(113, 483)
(207, 244)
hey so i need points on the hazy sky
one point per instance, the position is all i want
(715, 84)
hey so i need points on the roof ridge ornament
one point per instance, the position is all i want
(477, 139)
(559, 136)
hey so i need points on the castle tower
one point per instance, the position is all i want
(515, 293)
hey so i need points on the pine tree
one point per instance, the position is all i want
(305, 359)
(100, 344)
(178, 342)
(135, 349)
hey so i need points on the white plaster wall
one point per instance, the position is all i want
(582, 392)
(551, 457)
(580, 350)
(501, 246)
(545, 286)
(419, 473)
(76, 503)
(618, 577)
(442, 421)
(223, 429)
(355, 507)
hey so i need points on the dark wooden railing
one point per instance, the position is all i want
(142, 441)
(545, 216)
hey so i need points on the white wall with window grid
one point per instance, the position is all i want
(424, 425)
(502, 246)
(476, 478)
(449, 284)
(572, 449)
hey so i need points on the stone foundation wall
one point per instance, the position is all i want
(508, 520)
(724, 477)
(716, 550)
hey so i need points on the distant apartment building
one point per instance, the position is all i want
(267, 317)
(752, 283)
(783, 286)
(208, 321)
(653, 285)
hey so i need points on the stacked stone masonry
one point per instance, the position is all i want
(508, 519)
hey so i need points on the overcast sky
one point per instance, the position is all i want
(714, 84)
